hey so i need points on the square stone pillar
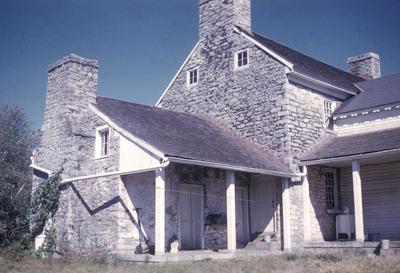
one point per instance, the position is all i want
(306, 206)
(160, 211)
(231, 209)
(286, 214)
(358, 204)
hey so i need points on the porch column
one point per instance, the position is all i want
(231, 209)
(286, 214)
(306, 206)
(160, 211)
(358, 204)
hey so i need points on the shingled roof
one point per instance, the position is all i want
(359, 144)
(188, 136)
(375, 93)
(309, 66)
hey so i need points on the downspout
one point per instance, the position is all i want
(163, 165)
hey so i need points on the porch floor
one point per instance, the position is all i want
(195, 255)
(353, 247)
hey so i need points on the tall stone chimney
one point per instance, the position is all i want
(71, 86)
(367, 66)
(219, 17)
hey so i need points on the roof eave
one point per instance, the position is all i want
(322, 83)
(230, 167)
(349, 157)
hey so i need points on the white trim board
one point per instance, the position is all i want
(368, 126)
(158, 103)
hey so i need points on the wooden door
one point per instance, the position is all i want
(242, 218)
(263, 205)
(191, 216)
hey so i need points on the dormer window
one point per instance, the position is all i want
(102, 145)
(192, 76)
(242, 59)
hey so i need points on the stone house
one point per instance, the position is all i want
(252, 144)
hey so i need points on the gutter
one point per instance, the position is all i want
(351, 157)
(43, 170)
(229, 167)
(68, 180)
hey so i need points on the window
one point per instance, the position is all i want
(192, 76)
(105, 142)
(332, 191)
(242, 59)
(102, 145)
(328, 111)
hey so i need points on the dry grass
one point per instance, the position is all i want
(269, 264)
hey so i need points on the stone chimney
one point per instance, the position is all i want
(219, 17)
(367, 66)
(71, 86)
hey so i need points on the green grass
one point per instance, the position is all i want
(270, 264)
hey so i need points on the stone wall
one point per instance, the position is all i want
(247, 100)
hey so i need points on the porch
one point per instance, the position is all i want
(359, 207)
(188, 213)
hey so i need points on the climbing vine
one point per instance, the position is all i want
(44, 205)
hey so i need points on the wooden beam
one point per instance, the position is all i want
(231, 209)
(358, 204)
(286, 214)
(306, 206)
(160, 211)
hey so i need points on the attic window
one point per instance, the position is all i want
(102, 145)
(242, 59)
(192, 76)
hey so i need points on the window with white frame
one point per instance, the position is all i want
(332, 190)
(192, 76)
(328, 111)
(102, 145)
(242, 59)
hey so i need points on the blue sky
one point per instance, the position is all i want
(140, 44)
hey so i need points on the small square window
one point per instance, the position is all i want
(242, 59)
(102, 142)
(192, 76)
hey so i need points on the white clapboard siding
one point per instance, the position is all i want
(381, 198)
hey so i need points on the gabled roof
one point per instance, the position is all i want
(309, 66)
(359, 144)
(375, 93)
(187, 136)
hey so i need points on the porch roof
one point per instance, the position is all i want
(186, 136)
(358, 145)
